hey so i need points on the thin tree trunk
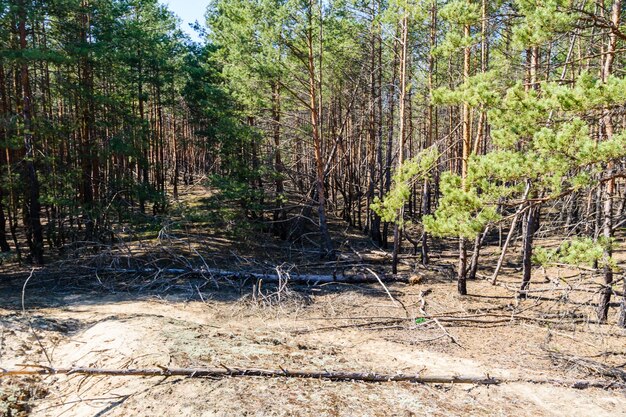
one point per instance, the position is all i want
(467, 129)
(478, 242)
(530, 227)
(326, 244)
(494, 277)
(607, 208)
(390, 129)
(4, 244)
(621, 321)
(397, 231)
(431, 126)
(461, 270)
(86, 157)
(373, 223)
(280, 215)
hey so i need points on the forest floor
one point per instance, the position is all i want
(68, 315)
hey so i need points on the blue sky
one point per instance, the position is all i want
(189, 11)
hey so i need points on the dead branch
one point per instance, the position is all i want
(338, 376)
(480, 319)
(589, 365)
(395, 301)
(422, 309)
(225, 371)
(494, 276)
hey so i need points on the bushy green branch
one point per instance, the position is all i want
(414, 169)
(576, 252)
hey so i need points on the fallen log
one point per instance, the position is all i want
(370, 377)
(589, 365)
(252, 372)
(267, 277)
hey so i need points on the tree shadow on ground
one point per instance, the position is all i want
(44, 289)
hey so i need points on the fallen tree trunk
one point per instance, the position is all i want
(241, 372)
(267, 277)
(225, 372)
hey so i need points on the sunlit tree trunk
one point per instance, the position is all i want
(326, 244)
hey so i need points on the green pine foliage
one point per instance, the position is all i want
(460, 213)
(581, 251)
(539, 137)
(416, 169)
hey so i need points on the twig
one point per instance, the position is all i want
(32, 329)
(590, 365)
(32, 272)
(395, 301)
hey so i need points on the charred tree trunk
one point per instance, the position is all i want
(530, 227)
(621, 321)
(430, 128)
(86, 154)
(462, 267)
(478, 242)
(4, 244)
(390, 130)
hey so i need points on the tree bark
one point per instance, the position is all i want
(390, 126)
(530, 226)
(87, 137)
(621, 321)
(462, 267)
(478, 242)
(280, 215)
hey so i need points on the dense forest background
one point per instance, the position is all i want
(416, 122)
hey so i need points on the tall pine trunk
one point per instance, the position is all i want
(397, 231)
(466, 145)
(607, 207)
(326, 243)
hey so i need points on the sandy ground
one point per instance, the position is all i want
(74, 317)
(333, 327)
